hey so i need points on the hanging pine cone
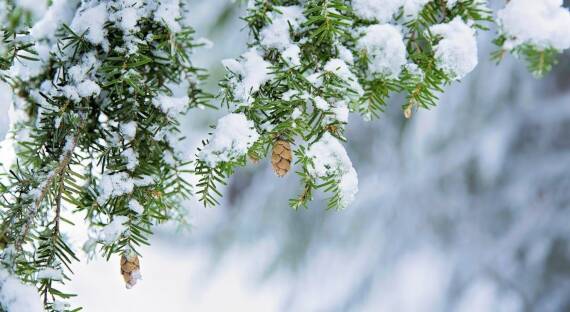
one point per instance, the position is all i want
(130, 269)
(281, 157)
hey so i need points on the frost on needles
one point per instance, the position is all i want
(100, 85)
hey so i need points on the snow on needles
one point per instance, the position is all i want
(544, 23)
(112, 231)
(276, 35)
(413, 7)
(456, 52)
(118, 184)
(16, 296)
(385, 48)
(383, 11)
(171, 105)
(251, 72)
(342, 70)
(234, 135)
(330, 159)
(91, 21)
(61, 11)
(51, 274)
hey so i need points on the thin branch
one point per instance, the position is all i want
(58, 172)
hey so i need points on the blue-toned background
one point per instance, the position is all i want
(462, 208)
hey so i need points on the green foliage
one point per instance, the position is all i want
(75, 145)
(540, 61)
(75, 152)
(288, 104)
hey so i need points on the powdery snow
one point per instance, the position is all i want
(50, 273)
(88, 88)
(276, 35)
(349, 187)
(113, 185)
(330, 158)
(112, 231)
(135, 206)
(456, 53)
(345, 54)
(251, 71)
(131, 157)
(321, 103)
(341, 69)
(385, 48)
(61, 11)
(16, 296)
(233, 137)
(171, 105)
(381, 11)
(341, 111)
(292, 55)
(168, 11)
(60, 306)
(91, 21)
(128, 130)
(543, 23)
(413, 7)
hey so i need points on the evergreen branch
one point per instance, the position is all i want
(57, 175)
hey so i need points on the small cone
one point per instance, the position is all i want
(408, 112)
(130, 269)
(281, 157)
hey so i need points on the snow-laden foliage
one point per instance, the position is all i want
(16, 296)
(312, 62)
(536, 30)
(99, 86)
(233, 136)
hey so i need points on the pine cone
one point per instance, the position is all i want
(130, 269)
(281, 157)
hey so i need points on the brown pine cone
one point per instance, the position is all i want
(130, 269)
(281, 157)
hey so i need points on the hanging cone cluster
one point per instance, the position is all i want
(281, 157)
(130, 269)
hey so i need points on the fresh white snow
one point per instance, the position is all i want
(456, 53)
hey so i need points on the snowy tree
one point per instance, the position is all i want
(99, 85)
(310, 63)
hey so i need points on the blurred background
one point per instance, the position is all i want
(462, 208)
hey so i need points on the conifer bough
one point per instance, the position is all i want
(99, 85)
(312, 62)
